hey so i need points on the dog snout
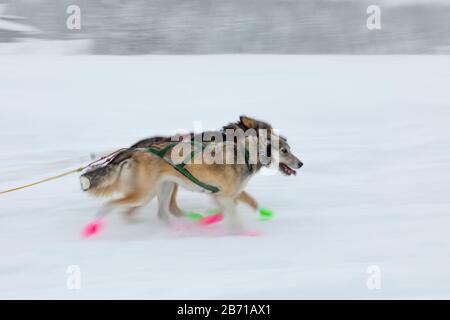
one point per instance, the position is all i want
(299, 164)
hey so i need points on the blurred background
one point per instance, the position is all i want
(124, 27)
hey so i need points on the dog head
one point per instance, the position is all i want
(287, 161)
(277, 147)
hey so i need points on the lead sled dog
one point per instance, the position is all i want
(148, 169)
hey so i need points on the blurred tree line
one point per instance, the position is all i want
(242, 26)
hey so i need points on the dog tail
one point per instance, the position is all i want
(104, 180)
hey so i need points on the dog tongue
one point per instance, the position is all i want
(291, 171)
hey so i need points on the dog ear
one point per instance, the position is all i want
(249, 122)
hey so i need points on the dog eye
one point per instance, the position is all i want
(283, 150)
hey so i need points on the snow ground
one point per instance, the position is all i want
(373, 132)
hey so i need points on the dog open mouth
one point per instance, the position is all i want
(286, 169)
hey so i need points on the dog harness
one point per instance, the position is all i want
(161, 152)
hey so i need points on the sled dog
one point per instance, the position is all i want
(147, 169)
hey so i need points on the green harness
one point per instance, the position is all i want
(161, 152)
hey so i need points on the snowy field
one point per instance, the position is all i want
(373, 132)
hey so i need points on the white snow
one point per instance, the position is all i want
(373, 132)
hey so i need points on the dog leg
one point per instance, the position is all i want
(247, 199)
(228, 207)
(164, 196)
(131, 211)
(134, 200)
(173, 206)
(129, 214)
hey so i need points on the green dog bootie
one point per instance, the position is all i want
(265, 214)
(191, 215)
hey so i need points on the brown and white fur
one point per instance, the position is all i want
(140, 176)
(174, 209)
